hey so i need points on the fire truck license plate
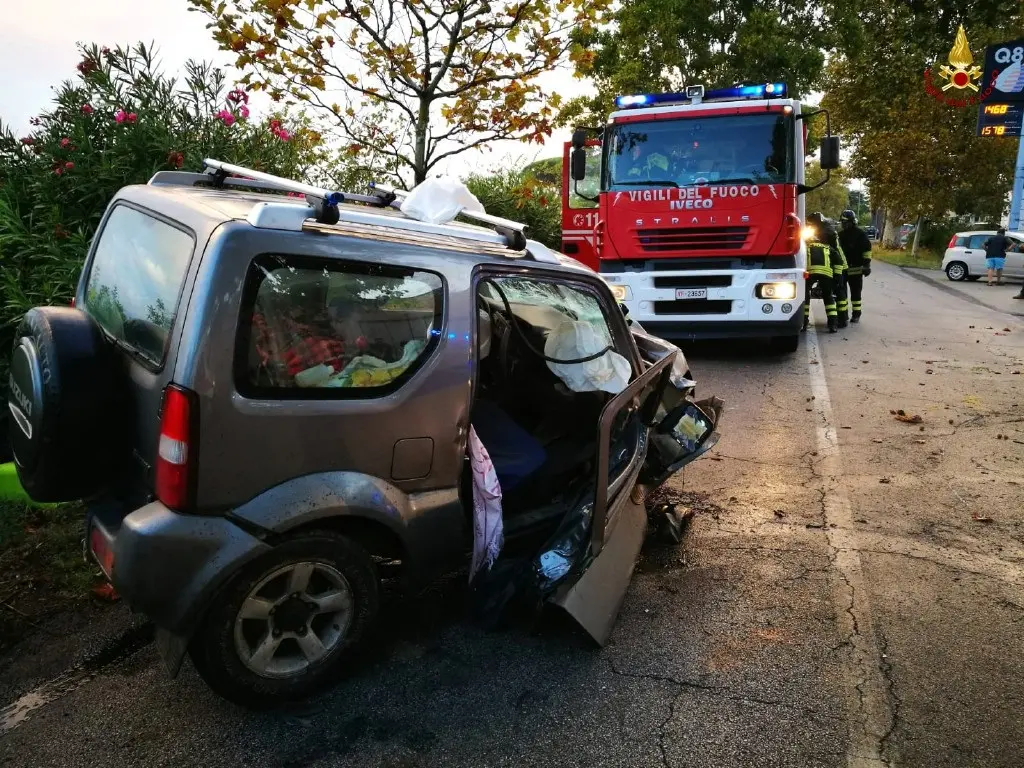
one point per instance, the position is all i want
(691, 293)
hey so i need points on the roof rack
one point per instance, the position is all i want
(325, 203)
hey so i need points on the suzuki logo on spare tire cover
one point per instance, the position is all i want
(26, 399)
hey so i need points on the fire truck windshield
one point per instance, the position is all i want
(750, 148)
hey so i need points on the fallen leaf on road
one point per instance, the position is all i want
(815, 525)
(846, 427)
(1007, 330)
(779, 513)
(919, 442)
(877, 440)
(814, 362)
(980, 518)
(865, 361)
(885, 480)
(907, 419)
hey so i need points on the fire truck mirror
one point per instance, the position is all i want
(579, 138)
(830, 153)
(578, 164)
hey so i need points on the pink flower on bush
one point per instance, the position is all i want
(87, 109)
(283, 135)
(120, 116)
(225, 117)
(28, 141)
(58, 170)
(175, 159)
(243, 112)
(105, 51)
(65, 142)
(132, 117)
(238, 96)
(69, 166)
(87, 66)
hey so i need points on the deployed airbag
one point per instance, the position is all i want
(575, 339)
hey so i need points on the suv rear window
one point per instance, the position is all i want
(350, 329)
(135, 280)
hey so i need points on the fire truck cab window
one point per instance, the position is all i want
(755, 149)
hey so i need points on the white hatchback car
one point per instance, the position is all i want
(965, 255)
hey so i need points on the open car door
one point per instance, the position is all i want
(655, 407)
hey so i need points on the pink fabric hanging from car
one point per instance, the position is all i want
(487, 525)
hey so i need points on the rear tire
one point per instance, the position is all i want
(785, 345)
(67, 410)
(217, 648)
(957, 271)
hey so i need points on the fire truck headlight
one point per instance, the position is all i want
(620, 292)
(776, 291)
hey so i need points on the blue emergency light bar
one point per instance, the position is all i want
(765, 91)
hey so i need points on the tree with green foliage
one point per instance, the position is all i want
(832, 197)
(920, 157)
(412, 81)
(662, 45)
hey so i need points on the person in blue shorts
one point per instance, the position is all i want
(995, 255)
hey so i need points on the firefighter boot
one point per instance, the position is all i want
(842, 320)
(856, 317)
(833, 323)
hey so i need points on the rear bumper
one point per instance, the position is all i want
(167, 565)
(691, 330)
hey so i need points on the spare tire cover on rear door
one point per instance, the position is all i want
(66, 406)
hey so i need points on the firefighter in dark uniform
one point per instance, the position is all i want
(819, 271)
(839, 273)
(857, 247)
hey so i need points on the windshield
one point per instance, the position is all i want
(700, 150)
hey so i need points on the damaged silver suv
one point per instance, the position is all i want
(272, 403)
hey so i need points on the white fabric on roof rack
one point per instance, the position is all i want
(439, 200)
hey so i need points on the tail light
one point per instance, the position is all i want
(952, 241)
(72, 302)
(176, 452)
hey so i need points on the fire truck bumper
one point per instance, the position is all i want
(691, 330)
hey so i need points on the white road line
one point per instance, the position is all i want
(867, 692)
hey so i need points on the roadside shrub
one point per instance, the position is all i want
(520, 196)
(119, 121)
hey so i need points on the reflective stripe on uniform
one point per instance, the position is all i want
(818, 269)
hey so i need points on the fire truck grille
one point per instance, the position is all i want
(680, 240)
(693, 307)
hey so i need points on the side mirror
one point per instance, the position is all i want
(830, 153)
(579, 138)
(578, 164)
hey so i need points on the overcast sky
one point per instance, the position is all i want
(37, 52)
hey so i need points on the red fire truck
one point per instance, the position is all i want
(691, 206)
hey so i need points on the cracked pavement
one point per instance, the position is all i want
(835, 601)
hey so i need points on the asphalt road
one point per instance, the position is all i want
(849, 593)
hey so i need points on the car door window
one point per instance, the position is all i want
(977, 241)
(342, 329)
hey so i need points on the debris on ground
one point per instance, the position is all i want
(106, 592)
(928, 371)
(815, 525)
(903, 416)
(980, 518)
(884, 480)
(779, 513)
(877, 440)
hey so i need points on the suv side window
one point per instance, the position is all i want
(342, 329)
(135, 279)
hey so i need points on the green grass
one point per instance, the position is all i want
(10, 488)
(43, 545)
(925, 259)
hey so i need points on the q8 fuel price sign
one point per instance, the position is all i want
(1000, 120)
